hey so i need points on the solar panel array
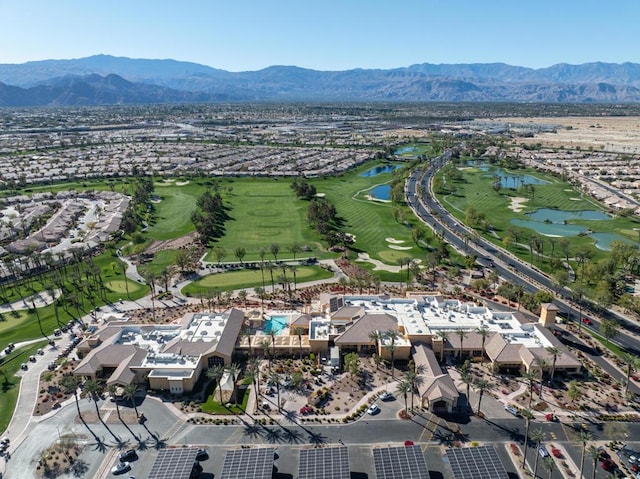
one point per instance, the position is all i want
(323, 463)
(248, 463)
(401, 462)
(174, 463)
(474, 462)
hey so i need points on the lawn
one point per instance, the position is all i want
(172, 217)
(474, 190)
(161, 260)
(11, 383)
(252, 278)
(214, 407)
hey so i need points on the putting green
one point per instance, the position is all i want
(391, 256)
(118, 286)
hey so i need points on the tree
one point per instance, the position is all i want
(391, 336)
(219, 253)
(94, 389)
(609, 329)
(70, 385)
(274, 380)
(403, 388)
(442, 335)
(275, 249)
(594, 454)
(240, 253)
(294, 249)
(260, 293)
(537, 436)
(234, 370)
(253, 372)
(549, 464)
(585, 437)
(298, 331)
(216, 373)
(266, 343)
(554, 352)
(352, 364)
(528, 416)
(633, 363)
(573, 390)
(484, 332)
(482, 385)
(461, 333)
(414, 378)
(129, 393)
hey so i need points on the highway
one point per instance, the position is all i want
(489, 255)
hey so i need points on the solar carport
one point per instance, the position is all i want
(400, 462)
(174, 463)
(323, 463)
(249, 463)
(475, 462)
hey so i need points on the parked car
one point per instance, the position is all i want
(386, 396)
(586, 321)
(128, 455)
(556, 452)
(202, 455)
(373, 409)
(603, 454)
(24, 366)
(120, 468)
(306, 410)
(608, 465)
(542, 450)
(513, 410)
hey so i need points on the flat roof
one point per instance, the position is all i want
(475, 462)
(324, 462)
(400, 462)
(174, 463)
(252, 463)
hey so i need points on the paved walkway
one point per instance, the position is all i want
(41, 300)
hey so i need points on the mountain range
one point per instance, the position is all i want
(104, 80)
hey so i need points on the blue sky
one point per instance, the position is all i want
(243, 35)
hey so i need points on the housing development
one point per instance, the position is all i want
(315, 291)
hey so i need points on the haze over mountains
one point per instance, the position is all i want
(104, 80)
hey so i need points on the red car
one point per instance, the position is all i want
(586, 321)
(608, 465)
(306, 410)
(556, 452)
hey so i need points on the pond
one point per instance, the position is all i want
(510, 180)
(549, 229)
(559, 216)
(603, 240)
(406, 149)
(381, 192)
(378, 170)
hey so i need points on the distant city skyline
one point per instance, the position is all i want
(328, 35)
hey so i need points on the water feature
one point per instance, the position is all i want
(511, 180)
(603, 240)
(275, 324)
(406, 149)
(381, 192)
(549, 229)
(378, 170)
(560, 216)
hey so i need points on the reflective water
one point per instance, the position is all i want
(380, 169)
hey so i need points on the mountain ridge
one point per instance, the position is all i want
(168, 80)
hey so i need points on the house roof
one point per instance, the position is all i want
(436, 384)
(348, 312)
(358, 332)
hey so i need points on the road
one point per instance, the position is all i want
(510, 268)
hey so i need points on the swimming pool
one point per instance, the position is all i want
(276, 324)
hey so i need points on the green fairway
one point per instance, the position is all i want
(161, 260)
(10, 383)
(119, 286)
(173, 211)
(253, 279)
(500, 207)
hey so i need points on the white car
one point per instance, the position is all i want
(385, 396)
(120, 468)
(373, 409)
(513, 410)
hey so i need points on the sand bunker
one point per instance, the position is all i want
(575, 199)
(517, 203)
(379, 265)
(182, 183)
(400, 248)
(393, 240)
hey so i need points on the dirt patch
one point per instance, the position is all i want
(175, 243)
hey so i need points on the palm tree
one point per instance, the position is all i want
(554, 352)
(549, 464)
(403, 388)
(443, 335)
(543, 364)
(246, 333)
(585, 437)
(274, 380)
(294, 249)
(93, 388)
(261, 253)
(392, 335)
(275, 249)
(70, 385)
(254, 373)
(234, 370)
(594, 454)
(216, 373)
(113, 388)
(342, 281)
(150, 278)
(484, 332)
(482, 385)
(271, 267)
(528, 416)
(260, 292)
(414, 378)
(376, 337)
(467, 378)
(298, 331)
(265, 344)
(461, 334)
(129, 393)
(530, 376)
(633, 362)
(537, 436)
